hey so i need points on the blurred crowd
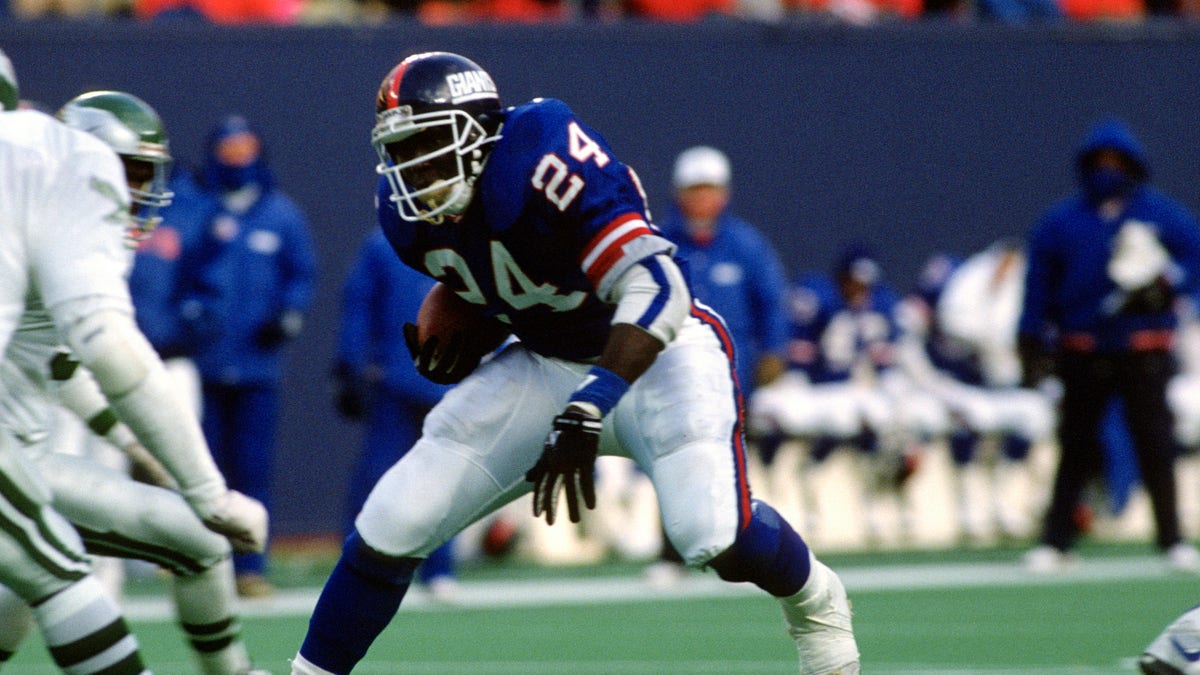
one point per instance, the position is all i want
(457, 12)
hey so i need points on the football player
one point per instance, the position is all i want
(113, 514)
(527, 213)
(960, 348)
(1176, 651)
(66, 217)
(837, 391)
(41, 557)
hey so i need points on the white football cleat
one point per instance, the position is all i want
(444, 589)
(818, 619)
(1183, 558)
(302, 666)
(1046, 559)
(665, 574)
(1176, 651)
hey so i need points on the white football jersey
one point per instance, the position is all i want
(64, 210)
(64, 213)
(24, 409)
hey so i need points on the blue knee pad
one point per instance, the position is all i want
(867, 441)
(962, 446)
(360, 598)
(767, 553)
(1016, 447)
(768, 446)
(822, 448)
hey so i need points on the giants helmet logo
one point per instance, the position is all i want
(470, 85)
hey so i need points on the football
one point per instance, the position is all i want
(443, 313)
(500, 538)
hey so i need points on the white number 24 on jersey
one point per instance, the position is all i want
(555, 180)
(515, 287)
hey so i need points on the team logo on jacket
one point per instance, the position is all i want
(265, 242)
(225, 229)
(726, 274)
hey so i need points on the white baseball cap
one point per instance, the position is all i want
(701, 165)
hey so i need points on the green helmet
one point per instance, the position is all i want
(9, 96)
(133, 129)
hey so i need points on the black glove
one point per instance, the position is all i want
(199, 326)
(1153, 298)
(568, 460)
(445, 366)
(350, 392)
(1036, 362)
(279, 330)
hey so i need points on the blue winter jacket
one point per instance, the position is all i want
(1068, 292)
(153, 279)
(739, 274)
(245, 272)
(380, 295)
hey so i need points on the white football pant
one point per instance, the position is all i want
(679, 422)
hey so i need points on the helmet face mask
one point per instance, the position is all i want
(134, 131)
(148, 192)
(431, 134)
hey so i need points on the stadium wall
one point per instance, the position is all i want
(915, 138)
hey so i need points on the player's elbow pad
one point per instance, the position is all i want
(109, 344)
(654, 296)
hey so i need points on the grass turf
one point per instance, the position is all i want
(1072, 626)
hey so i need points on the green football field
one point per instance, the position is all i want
(930, 612)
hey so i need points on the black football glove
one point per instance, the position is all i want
(1037, 363)
(446, 366)
(1153, 298)
(568, 461)
(350, 392)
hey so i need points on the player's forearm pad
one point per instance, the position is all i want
(144, 396)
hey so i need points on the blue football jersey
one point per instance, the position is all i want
(556, 219)
(830, 338)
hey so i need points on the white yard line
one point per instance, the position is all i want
(581, 591)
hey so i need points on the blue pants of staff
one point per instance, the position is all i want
(393, 426)
(239, 424)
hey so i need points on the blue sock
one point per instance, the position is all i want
(1016, 448)
(768, 553)
(360, 598)
(822, 448)
(962, 446)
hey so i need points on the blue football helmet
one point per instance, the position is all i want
(436, 122)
